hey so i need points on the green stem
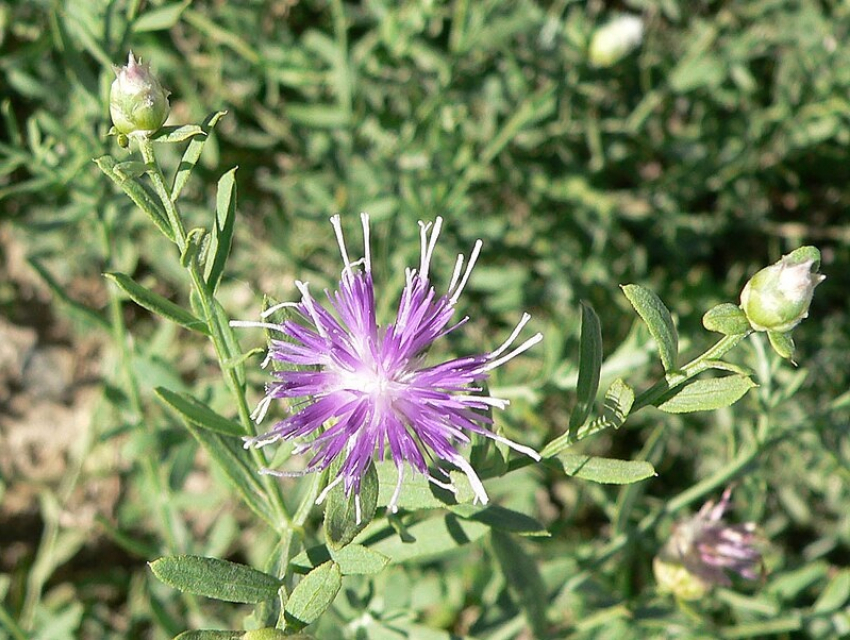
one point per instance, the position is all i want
(696, 366)
(220, 332)
(8, 622)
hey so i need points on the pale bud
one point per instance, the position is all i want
(777, 298)
(615, 40)
(137, 102)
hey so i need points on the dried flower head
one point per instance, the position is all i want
(704, 548)
(368, 391)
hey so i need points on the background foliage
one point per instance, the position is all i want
(714, 148)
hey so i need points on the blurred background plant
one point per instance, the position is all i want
(694, 160)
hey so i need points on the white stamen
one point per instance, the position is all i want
(258, 325)
(473, 258)
(427, 254)
(499, 403)
(358, 512)
(507, 343)
(456, 272)
(448, 486)
(262, 408)
(277, 307)
(531, 453)
(393, 505)
(367, 252)
(525, 346)
(474, 480)
(307, 299)
(327, 490)
(266, 360)
(337, 225)
(260, 441)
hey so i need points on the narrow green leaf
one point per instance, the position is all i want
(84, 312)
(177, 134)
(727, 318)
(196, 241)
(231, 458)
(782, 343)
(208, 634)
(430, 538)
(155, 303)
(312, 596)
(193, 153)
(317, 116)
(198, 413)
(603, 470)
(215, 578)
(523, 580)
(618, 403)
(138, 194)
(659, 321)
(222, 234)
(706, 394)
(353, 559)
(501, 518)
(836, 594)
(417, 492)
(589, 366)
(161, 18)
(342, 520)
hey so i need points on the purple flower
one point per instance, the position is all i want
(365, 390)
(704, 548)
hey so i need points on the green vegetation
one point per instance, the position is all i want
(618, 200)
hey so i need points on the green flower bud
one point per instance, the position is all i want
(615, 40)
(777, 298)
(138, 103)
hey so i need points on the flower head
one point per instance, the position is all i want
(777, 298)
(137, 102)
(703, 548)
(368, 391)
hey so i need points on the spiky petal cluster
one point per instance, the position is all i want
(703, 549)
(365, 390)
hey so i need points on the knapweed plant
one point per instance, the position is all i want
(396, 442)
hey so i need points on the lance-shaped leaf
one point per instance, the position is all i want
(428, 539)
(523, 580)
(353, 559)
(727, 318)
(706, 394)
(215, 578)
(658, 320)
(602, 470)
(192, 153)
(209, 634)
(344, 516)
(501, 518)
(198, 413)
(589, 366)
(177, 134)
(312, 596)
(231, 458)
(136, 191)
(222, 233)
(155, 303)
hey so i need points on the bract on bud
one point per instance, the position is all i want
(703, 548)
(137, 102)
(777, 298)
(615, 40)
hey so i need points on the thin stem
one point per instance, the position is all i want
(8, 622)
(220, 332)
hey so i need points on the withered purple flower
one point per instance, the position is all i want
(704, 549)
(365, 390)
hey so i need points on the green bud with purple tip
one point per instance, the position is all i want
(137, 102)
